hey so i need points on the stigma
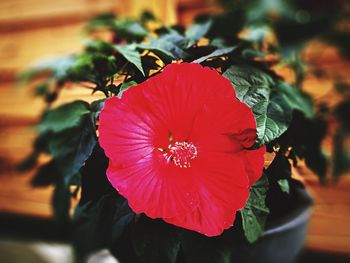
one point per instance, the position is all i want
(181, 153)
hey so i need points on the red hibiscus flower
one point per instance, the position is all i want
(177, 144)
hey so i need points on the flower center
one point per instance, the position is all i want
(181, 153)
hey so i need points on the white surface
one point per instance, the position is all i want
(14, 251)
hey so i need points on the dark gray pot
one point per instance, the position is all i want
(284, 237)
(283, 240)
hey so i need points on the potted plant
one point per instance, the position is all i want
(169, 165)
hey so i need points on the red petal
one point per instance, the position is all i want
(224, 125)
(254, 163)
(178, 94)
(154, 187)
(223, 189)
(197, 105)
(127, 131)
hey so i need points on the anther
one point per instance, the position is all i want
(181, 153)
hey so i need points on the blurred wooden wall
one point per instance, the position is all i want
(31, 30)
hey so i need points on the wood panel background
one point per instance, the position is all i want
(32, 29)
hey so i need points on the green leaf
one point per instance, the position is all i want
(147, 16)
(58, 67)
(61, 201)
(93, 67)
(257, 34)
(162, 49)
(284, 185)
(227, 25)
(155, 241)
(255, 211)
(273, 118)
(96, 107)
(100, 46)
(29, 162)
(130, 30)
(149, 63)
(46, 175)
(272, 113)
(251, 54)
(42, 89)
(296, 98)
(257, 11)
(64, 117)
(218, 42)
(100, 223)
(279, 169)
(103, 20)
(217, 53)
(247, 79)
(132, 55)
(168, 47)
(71, 148)
(136, 29)
(83, 68)
(125, 86)
(196, 31)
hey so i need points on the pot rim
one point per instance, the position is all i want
(297, 217)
